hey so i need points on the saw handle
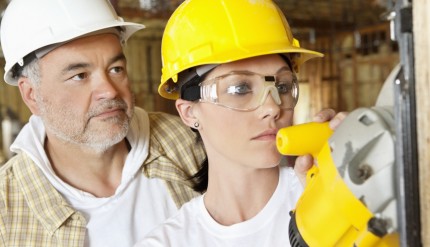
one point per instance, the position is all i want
(301, 139)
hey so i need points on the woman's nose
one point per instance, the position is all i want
(271, 105)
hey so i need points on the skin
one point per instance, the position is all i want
(85, 102)
(241, 146)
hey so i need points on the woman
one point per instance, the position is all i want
(231, 65)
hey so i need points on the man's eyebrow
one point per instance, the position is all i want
(76, 66)
(117, 58)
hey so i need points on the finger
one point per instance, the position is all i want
(301, 167)
(324, 115)
(337, 119)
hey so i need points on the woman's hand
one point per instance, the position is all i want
(304, 163)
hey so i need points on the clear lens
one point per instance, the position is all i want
(247, 90)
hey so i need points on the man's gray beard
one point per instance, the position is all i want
(88, 142)
(92, 147)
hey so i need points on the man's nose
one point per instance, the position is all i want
(105, 88)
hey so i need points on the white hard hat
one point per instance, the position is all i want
(28, 25)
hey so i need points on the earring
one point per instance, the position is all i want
(196, 125)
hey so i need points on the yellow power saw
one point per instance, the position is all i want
(349, 198)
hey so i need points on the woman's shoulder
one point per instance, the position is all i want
(174, 228)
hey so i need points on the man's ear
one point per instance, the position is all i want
(185, 110)
(28, 92)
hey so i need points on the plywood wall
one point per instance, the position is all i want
(352, 71)
(421, 29)
(144, 59)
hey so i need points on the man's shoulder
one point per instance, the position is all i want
(174, 155)
(35, 210)
(23, 173)
(163, 119)
(13, 172)
(169, 127)
(10, 178)
(7, 168)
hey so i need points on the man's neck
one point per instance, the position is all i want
(93, 172)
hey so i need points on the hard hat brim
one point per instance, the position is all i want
(130, 28)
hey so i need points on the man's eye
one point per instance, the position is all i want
(117, 70)
(239, 89)
(80, 77)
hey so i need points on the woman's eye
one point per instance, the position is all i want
(239, 89)
(283, 88)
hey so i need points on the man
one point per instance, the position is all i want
(91, 169)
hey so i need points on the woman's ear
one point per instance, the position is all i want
(185, 110)
(28, 92)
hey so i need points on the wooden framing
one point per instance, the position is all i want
(421, 29)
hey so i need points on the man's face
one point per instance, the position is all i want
(84, 96)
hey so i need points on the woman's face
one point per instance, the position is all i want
(247, 138)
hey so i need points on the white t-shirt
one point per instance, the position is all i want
(193, 226)
(138, 205)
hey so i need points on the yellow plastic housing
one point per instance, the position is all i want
(327, 214)
(303, 138)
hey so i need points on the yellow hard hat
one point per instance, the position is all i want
(219, 31)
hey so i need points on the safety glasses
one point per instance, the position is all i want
(246, 91)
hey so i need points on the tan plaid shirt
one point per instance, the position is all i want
(33, 213)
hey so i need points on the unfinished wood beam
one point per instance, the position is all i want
(421, 30)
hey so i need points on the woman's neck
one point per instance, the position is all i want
(241, 194)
